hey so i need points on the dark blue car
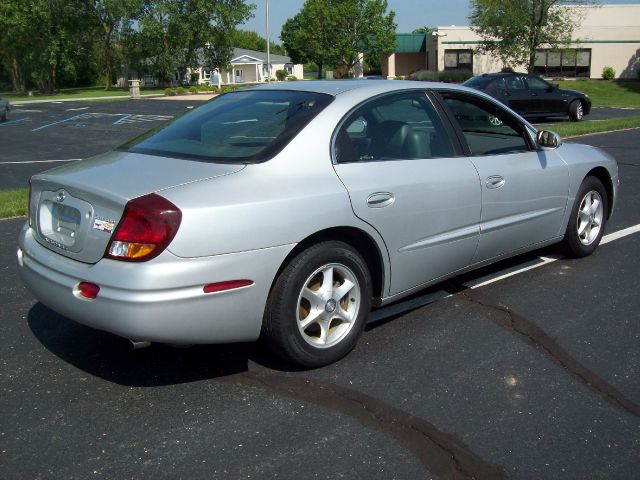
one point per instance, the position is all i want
(531, 96)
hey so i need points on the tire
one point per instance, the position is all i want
(576, 111)
(5, 115)
(311, 321)
(588, 219)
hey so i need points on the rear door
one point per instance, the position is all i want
(408, 180)
(524, 190)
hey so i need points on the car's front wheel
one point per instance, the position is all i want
(588, 219)
(318, 305)
(576, 111)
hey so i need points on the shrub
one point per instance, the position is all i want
(608, 73)
(203, 88)
(292, 78)
(180, 91)
(212, 88)
(398, 77)
(194, 77)
(168, 91)
(281, 74)
(193, 89)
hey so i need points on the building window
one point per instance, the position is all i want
(148, 80)
(570, 62)
(458, 60)
(206, 74)
(289, 69)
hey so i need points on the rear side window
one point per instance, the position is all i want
(239, 127)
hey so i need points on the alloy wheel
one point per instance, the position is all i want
(328, 305)
(590, 215)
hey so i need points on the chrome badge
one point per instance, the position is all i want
(60, 197)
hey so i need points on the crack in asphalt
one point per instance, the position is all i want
(440, 453)
(541, 341)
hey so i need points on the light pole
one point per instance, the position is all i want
(268, 49)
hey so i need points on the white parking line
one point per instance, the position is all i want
(620, 234)
(546, 260)
(432, 297)
(41, 161)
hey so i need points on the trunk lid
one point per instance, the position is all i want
(75, 208)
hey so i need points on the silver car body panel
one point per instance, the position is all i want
(243, 222)
(160, 300)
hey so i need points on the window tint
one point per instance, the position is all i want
(536, 83)
(478, 82)
(487, 129)
(514, 83)
(238, 127)
(395, 127)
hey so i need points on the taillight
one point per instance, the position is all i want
(147, 226)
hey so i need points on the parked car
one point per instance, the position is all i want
(532, 96)
(286, 211)
(5, 108)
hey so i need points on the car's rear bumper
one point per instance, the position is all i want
(161, 300)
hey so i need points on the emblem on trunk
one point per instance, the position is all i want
(60, 197)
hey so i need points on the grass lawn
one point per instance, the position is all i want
(605, 93)
(84, 92)
(13, 203)
(569, 129)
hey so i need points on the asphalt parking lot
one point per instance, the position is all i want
(533, 375)
(40, 136)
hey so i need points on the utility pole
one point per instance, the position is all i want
(268, 49)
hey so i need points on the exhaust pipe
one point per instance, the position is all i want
(138, 344)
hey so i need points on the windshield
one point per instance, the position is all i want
(241, 127)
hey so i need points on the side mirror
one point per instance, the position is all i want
(548, 140)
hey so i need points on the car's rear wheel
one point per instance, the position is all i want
(576, 111)
(588, 219)
(318, 305)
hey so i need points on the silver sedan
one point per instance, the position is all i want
(285, 212)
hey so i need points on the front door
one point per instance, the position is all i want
(524, 190)
(239, 75)
(404, 178)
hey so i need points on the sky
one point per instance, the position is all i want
(410, 14)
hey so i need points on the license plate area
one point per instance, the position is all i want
(62, 220)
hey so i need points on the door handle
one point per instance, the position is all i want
(495, 181)
(380, 199)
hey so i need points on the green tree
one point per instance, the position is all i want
(112, 17)
(174, 35)
(332, 32)
(252, 41)
(44, 43)
(515, 29)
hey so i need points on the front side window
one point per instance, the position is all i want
(239, 127)
(488, 129)
(394, 127)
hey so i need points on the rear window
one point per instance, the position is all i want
(478, 82)
(240, 127)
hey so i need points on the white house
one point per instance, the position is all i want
(248, 66)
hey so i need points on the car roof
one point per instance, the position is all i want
(338, 87)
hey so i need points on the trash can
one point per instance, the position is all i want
(134, 88)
